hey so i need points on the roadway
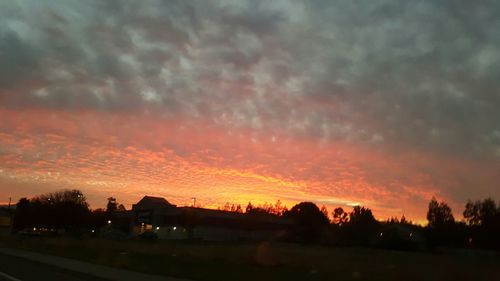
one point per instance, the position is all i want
(19, 269)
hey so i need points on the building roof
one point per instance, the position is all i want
(226, 219)
(151, 202)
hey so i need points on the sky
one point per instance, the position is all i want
(377, 103)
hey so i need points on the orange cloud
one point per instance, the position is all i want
(129, 155)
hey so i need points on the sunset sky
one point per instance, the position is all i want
(378, 103)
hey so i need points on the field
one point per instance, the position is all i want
(265, 261)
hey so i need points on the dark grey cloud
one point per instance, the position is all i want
(421, 74)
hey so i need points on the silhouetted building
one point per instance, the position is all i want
(157, 215)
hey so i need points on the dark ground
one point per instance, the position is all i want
(262, 261)
(26, 270)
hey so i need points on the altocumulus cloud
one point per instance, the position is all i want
(387, 76)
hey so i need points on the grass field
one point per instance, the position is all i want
(264, 261)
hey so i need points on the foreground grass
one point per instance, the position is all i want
(263, 261)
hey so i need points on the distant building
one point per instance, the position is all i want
(157, 215)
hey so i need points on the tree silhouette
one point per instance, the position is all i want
(249, 207)
(324, 210)
(362, 227)
(403, 220)
(112, 205)
(23, 215)
(480, 212)
(439, 214)
(228, 207)
(65, 209)
(121, 208)
(279, 209)
(309, 220)
(252, 210)
(441, 229)
(483, 218)
(361, 216)
(340, 216)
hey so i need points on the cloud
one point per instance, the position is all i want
(130, 155)
(385, 77)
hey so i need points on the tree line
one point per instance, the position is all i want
(62, 211)
(267, 209)
(480, 228)
(68, 211)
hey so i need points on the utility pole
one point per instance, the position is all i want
(194, 201)
(11, 215)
